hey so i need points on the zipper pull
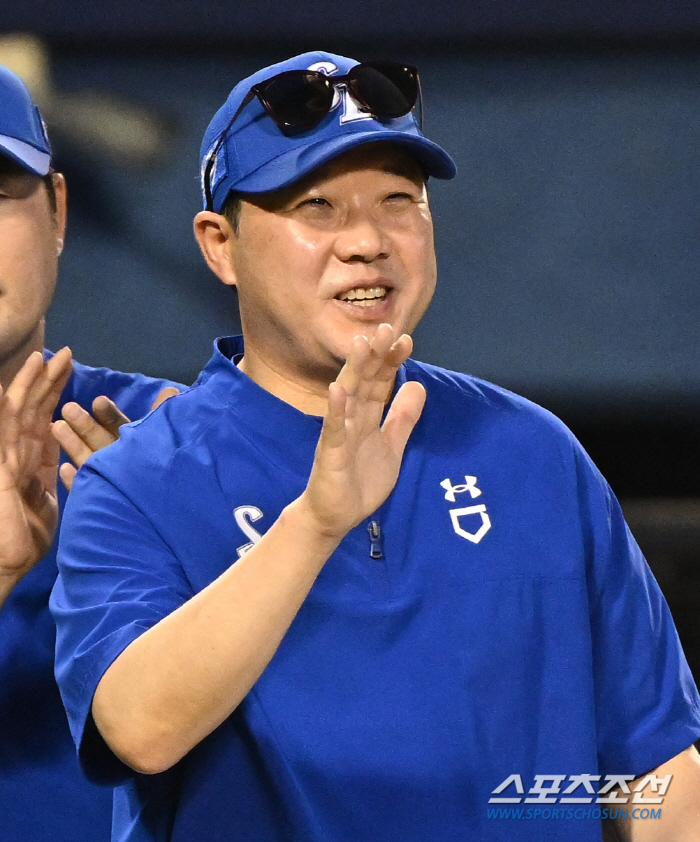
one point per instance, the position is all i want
(375, 544)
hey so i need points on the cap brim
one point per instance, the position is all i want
(33, 160)
(294, 164)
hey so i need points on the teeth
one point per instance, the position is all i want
(364, 296)
(365, 302)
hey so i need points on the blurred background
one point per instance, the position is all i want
(568, 245)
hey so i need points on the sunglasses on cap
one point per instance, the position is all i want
(298, 100)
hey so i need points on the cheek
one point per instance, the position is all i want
(28, 259)
(420, 261)
(284, 249)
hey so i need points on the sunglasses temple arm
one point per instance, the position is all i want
(212, 155)
(420, 104)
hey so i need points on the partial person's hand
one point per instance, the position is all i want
(81, 434)
(358, 458)
(28, 464)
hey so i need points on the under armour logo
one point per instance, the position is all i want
(469, 485)
(474, 517)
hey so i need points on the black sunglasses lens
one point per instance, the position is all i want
(385, 88)
(297, 99)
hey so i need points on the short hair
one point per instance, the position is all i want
(232, 210)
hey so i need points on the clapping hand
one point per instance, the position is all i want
(358, 457)
(28, 464)
(81, 434)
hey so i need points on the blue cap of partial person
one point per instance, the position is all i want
(23, 136)
(255, 144)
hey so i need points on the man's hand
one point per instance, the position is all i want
(28, 465)
(358, 458)
(81, 434)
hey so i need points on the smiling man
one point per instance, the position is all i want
(332, 593)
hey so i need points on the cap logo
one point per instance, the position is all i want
(351, 111)
(213, 153)
(44, 129)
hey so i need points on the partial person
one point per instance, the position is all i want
(43, 793)
(333, 593)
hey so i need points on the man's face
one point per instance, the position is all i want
(30, 242)
(347, 248)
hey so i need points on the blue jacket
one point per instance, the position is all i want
(493, 618)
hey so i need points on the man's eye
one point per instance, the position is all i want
(399, 197)
(316, 202)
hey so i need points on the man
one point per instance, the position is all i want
(280, 626)
(43, 794)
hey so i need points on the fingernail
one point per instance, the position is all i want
(71, 412)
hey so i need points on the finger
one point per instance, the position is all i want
(403, 415)
(395, 356)
(400, 351)
(379, 346)
(48, 470)
(70, 441)
(382, 384)
(36, 401)
(84, 425)
(67, 473)
(108, 415)
(358, 355)
(383, 339)
(17, 391)
(365, 359)
(378, 376)
(163, 395)
(57, 372)
(333, 432)
(9, 427)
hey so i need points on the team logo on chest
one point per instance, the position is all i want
(244, 515)
(475, 517)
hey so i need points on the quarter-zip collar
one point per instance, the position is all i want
(277, 425)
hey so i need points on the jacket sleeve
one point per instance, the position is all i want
(117, 578)
(647, 705)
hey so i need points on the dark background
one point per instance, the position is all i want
(440, 22)
(568, 245)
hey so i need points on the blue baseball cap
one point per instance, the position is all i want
(22, 132)
(256, 157)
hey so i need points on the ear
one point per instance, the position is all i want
(60, 190)
(216, 239)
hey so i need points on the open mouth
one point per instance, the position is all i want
(364, 296)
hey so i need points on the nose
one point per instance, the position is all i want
(362, 240)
